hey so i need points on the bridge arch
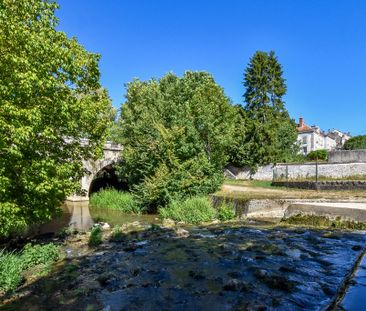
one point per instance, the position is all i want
(111, 155)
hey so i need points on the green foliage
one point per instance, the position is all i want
(51, 100)
(117, 234)
(95, 236)
(193, 210)
(226, 211)
(175, 132)
(354, 143)
(320, 154)
(10, 271)
(238, 150)
(270, 134)
(114, 199)
(39, 255)
(13, 264)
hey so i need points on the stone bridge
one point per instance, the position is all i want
(112, 154)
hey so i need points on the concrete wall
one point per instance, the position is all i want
(301, 171)
(347, 156)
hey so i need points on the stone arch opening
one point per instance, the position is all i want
(105, 178)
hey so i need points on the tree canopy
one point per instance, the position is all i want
(357, 142)
(175, 133)
(51, 101)
(270, 134)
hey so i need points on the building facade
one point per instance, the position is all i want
(312, 138)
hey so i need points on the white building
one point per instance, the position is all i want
(313, 138)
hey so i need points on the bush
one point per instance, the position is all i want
(116, 200)
(95, 236)
(320, 154)
(45, 255)
(192, 211)
(226, 212)
(10, 271)
(357, 142)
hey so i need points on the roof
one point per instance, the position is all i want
(304, 128)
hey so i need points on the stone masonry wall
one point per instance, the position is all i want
(347, 156)
(301, 171)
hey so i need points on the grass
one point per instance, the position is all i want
(257, 190)
(193, 210)
(196, 210)
(14, 264)
(116, 200)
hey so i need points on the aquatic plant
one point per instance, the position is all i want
(322, 221)
(192, 210)
(117, 234)
(116, 200)
(95, 236)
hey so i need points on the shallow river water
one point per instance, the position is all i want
(219, 267)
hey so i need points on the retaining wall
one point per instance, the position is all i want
(301, 171)
(347, 156)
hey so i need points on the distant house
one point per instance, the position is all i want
(313, 138)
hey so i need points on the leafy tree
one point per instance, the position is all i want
(238, 153)
(175, 132)
(270, 133)
(357, 142)
(51, 100)
(320, 154)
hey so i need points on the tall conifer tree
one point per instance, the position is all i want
(266, 113)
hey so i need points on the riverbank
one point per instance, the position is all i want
(221, 266)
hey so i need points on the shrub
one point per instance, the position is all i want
(95, 236)
(226, 211)
(320, 154)
(45, 255)
(114, 199)
(192, 211)
(10, 271)
(357, 142)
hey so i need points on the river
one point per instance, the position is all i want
(235, 266)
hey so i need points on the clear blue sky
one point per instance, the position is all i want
(320, 43)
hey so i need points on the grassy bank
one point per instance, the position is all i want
(197, 210)
(116, 200)
(32, 260)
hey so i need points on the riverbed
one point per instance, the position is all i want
(232, 266)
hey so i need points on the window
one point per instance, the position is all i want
(304, 140)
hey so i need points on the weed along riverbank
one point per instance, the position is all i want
(149, 263)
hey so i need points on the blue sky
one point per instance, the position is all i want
(321, 45)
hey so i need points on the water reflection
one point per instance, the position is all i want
(80, 216)
(75, 215)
